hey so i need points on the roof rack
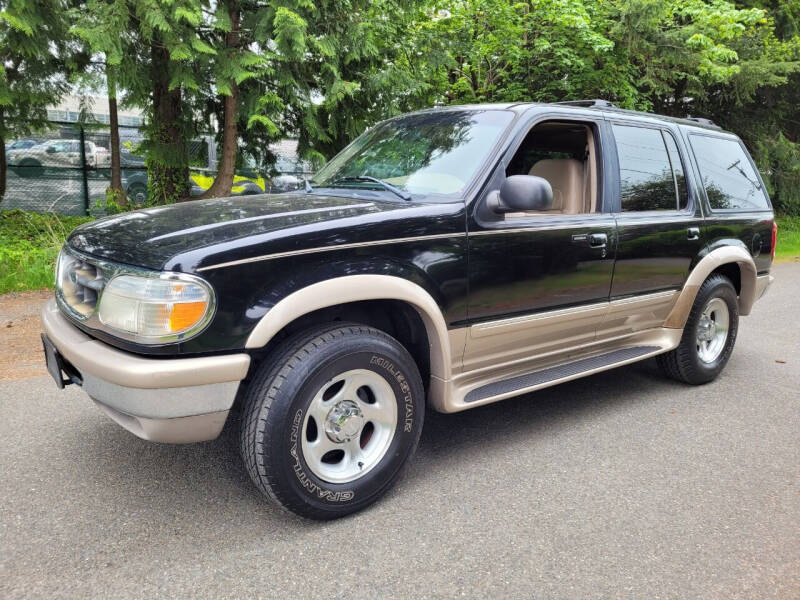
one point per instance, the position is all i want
(703, 121)
(596, 103)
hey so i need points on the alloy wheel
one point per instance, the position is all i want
(349, 426)
(712, 330)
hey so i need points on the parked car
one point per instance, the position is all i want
(246, 181)
(285, 182)
(451, 258)
(60, 153)
(134, 182)
(289, 175)
(19, 145)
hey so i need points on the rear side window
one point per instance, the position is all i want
(650, 170)
(728, 175)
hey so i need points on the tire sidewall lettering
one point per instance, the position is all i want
(406, 406)
(299, 470)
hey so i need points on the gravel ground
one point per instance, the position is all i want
(620, 485)
(20, 327)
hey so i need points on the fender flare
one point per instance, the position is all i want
(356, 288)
(711, 261)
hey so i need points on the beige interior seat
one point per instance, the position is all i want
(565, 176)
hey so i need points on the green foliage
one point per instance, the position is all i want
(737, 64)
(167, 172)
(788, 248)
(36, 58)
(782, 176)
(34, 61)
(29, 245)
(112, 204)
(324, 71)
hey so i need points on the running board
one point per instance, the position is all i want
(559, 372)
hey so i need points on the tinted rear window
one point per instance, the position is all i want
(728, 175)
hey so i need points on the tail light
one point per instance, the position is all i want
(774, 239)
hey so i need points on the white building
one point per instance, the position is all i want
(69, 109)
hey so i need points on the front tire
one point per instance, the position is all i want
(331, 419)
(708, 336)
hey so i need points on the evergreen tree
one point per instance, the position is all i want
(104, 26)
(148, 48)
(36, 59)
(321, 72)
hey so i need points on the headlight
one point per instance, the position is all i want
(152, 310)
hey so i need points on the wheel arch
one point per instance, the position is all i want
(721, 260)
(350, 290)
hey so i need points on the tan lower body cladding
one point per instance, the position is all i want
(505, 349)
(500, 350)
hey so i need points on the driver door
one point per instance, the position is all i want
(540, 282)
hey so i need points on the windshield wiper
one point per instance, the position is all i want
(404, 195)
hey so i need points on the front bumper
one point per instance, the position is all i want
(164, 400)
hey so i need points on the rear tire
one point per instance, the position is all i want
(331, 419)
(137, 194)
(708, 336)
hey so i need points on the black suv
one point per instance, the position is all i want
(450, 257)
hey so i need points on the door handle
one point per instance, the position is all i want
(598, 240)
(595, 240)
(693, 233)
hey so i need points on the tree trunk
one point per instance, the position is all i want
(116, 173)
(223, 182)
(3, 166)
(168, 165)
(226, 167)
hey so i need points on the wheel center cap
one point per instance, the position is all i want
(707, 329)
(344, 421)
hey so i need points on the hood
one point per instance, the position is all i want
(151, 237)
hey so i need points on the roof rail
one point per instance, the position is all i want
(596, 103)
(703, 121)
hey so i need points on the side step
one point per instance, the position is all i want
(557, 372)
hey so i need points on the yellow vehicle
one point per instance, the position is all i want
(246, 180)
(203, 156)
(243, 184)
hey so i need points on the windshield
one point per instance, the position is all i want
(437, 152)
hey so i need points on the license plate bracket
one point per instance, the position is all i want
(55, 364)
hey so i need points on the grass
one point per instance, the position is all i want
(788, 239)
(29, 245)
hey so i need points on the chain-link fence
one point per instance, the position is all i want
(68, 170)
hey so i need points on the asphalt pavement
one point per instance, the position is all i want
(623, 485)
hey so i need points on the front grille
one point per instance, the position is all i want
(80, 284)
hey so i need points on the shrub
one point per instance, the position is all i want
(29, 245)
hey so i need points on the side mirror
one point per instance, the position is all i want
(50, 150)
(520, 193)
